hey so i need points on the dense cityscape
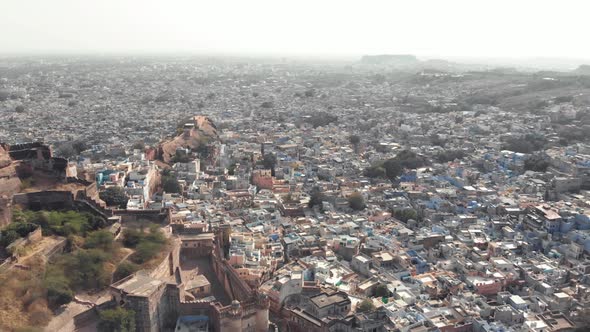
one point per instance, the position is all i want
(384, 193)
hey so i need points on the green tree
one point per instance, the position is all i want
(139, 145)
(145, 251)
(269, 161)
(365, 305)
(85, 269)
(79, 146)
(231, 170)
(409, 159)
(375, 171)
(381, 290)
(320, 119)
(58, 290)
(8, 237)
(114, 196)
(131, 237)
(155, 235)
(405, 214)
(537, 163)
(316, 197)
(393, 168)
(124, 269)
(147, 244)
(356, 201)
(355, 140)
(450, 155)
(170, 184)
(267, 104)
(116, 320)
(101, 239)
(525, 144)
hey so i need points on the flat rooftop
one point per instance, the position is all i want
(138, 285)
(198, 281)
(324, 300)
(197, 237)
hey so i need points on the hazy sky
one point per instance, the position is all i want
(490, 28)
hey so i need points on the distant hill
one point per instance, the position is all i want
(411, 62)
(390, 59)
(582, 70)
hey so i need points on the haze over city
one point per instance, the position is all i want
(300, 166)
(488, 29)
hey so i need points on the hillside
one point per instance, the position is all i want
(196, 132)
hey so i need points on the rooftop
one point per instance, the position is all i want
(323, 300)
(138, 285)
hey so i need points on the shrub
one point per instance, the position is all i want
(119, 320)
(356, 201)
(125, 269)
(114, 196)
(146, 251)
(392, 168)
(147, 245)
(405, 214)
(537, 163)
(58, 291)
(85, 269)
(381, 290)
(170, 184)
(365, 305)
(101, 239)
(131, 237)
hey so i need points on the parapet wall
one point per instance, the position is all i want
(169, 264)
(36, 150)
(45, 200)
(91, 315)
(156, 216)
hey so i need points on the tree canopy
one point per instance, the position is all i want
(116, 320)
(405, 214)
(124, 269)
(537, 163)
(269, 161)
(51, 222)
(316, 197)
(354, 139)
(393, 167)
(170, 184)
(356, 201)
(365, 305)
(101, 239)
(525, 144)
(147, 244)
(321, 119)
(381, 290)
(114, 196)
(450, 155)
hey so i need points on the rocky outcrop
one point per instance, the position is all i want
(197, 131)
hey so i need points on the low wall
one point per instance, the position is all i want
(166, 268)
(155, 216)
(45, 200)
(91, 315)
(57, 249)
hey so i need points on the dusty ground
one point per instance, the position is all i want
(202, 266)
(64, 321)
